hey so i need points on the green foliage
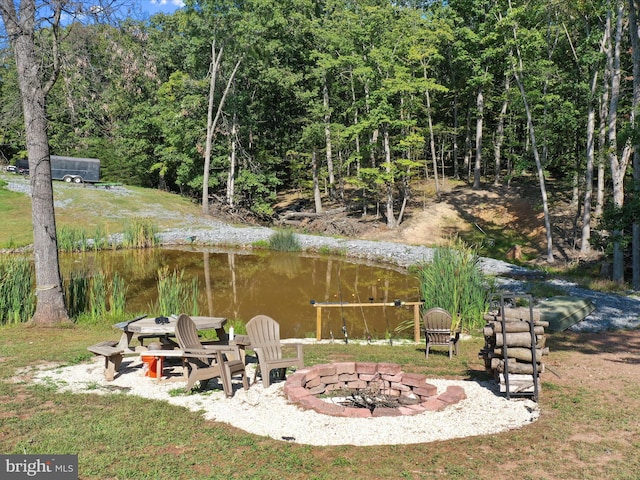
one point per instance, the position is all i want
(239, 326)
(453, 280)
(71, 239)
(175, 294)
(74, 239)
(140, 233)
(17, 301)
(90, 299)
(77, 293)
(284, 241)
(97, 296)
(117, 295)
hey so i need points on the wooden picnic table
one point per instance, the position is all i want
(147, 327)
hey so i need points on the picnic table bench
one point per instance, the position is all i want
(113, 355)
(143, 328)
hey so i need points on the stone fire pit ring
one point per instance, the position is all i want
(306, 384)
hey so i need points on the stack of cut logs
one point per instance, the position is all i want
(519, 349)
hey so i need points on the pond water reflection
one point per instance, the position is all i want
(241, 284)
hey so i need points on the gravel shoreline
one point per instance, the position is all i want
(612, 312)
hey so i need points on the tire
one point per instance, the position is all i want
(77, 179)
(67, 179)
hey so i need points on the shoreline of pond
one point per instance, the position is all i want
(612, 312)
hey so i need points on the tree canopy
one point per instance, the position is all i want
(357, 98)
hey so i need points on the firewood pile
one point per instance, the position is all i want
(509, 352)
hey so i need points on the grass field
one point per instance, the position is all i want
(90, 208)
(585, 431)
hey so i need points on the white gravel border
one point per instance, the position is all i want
(266, 412)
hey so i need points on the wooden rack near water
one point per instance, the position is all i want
(396, 303)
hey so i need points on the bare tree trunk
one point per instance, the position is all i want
(211, 120)
(604, 114)
(432, 142)
(355, 121)
(316, 183)
(479, 120)
(536, 156)
(456, 125)
(327, 138)
(635, 229)
(618, 165)
(497, 149)
(467, 145)
(585, 247)
(50, 307)
(391, 218)
(231, 174)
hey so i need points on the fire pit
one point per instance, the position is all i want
(369, 390)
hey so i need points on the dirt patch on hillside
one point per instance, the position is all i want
(513, 215)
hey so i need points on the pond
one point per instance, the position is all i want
(240, 284)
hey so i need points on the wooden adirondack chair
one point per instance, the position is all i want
(437, 330)
(205, 362)
(264, 334)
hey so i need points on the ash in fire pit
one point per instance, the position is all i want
(372, 397)
(362, 389)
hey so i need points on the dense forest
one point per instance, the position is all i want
(351, 101)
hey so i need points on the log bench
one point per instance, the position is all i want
(113, 354)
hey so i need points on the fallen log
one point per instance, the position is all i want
(523, 354)
(302, 215)
(518, 339)
(515, 366)
(515, 317)
(511, 327)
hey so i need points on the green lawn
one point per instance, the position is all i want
(122, 437)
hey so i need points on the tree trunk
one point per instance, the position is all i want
(454, 154)
(215, 63)
(50, 307)
(585, 247)
(391, 218)
(211, 120)
(536, 156)
(603, 114)
(316, 183)
(231, 174)
(354, 106)
(327, 138)
(479, 120)
(432, 142)
(635, 229)
(618, 165)
(497, 149)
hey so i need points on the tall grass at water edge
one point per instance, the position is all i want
(140, 233)
(284, 241)
(17, 301)
(453, 280)
(175, 294)
(92, 298)
(71, 239)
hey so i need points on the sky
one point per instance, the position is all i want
(157, 6)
